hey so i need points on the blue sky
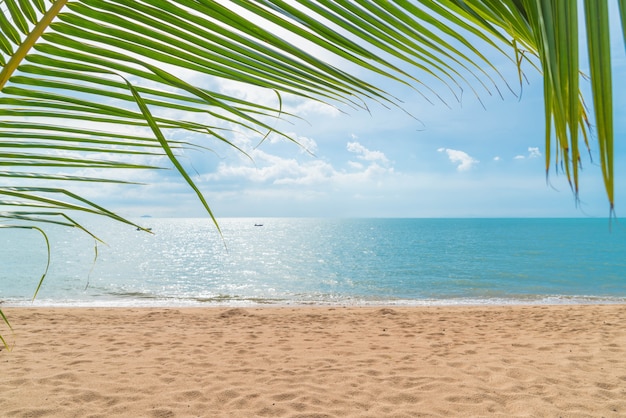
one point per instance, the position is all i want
(458, 161)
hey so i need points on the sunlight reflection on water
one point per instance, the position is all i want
(351, 261)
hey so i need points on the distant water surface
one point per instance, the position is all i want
(321, 261)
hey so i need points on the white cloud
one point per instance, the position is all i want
(465, 161)
(307, 143)
(270, 168)
(254, 94)
(496, 158)
(365, 154)
(533, 152)
(355, 165)
(307, 108)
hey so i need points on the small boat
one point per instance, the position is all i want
(258, 224)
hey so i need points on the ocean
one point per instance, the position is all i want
(293, 261)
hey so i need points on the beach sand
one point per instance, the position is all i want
(557, 361)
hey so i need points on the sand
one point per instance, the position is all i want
(532, 361)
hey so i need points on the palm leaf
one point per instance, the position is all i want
(84, 62)
(14, 216)
(76, 75)
(6, 321)
(597, 18)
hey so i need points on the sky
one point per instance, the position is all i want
(459, 159)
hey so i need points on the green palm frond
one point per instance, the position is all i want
(549, 30)
(105, 63)
(8, 324)
(76, 75)
(3, 341)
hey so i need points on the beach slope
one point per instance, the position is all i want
(315, 362)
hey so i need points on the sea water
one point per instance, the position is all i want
(284, 261)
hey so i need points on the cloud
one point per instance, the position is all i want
(254, 94)
(365, 154)
(270, 168)
(306, 144)
(309, 108)
(533, 152)
(465, 161)
(355, 165)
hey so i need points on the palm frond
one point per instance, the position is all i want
(43, 276)
(76, 77)
(105, 63)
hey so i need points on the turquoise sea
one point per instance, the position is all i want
(320, 261)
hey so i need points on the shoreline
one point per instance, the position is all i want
(327, 361)
(165, 303)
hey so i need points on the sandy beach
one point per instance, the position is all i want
(556, 361)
